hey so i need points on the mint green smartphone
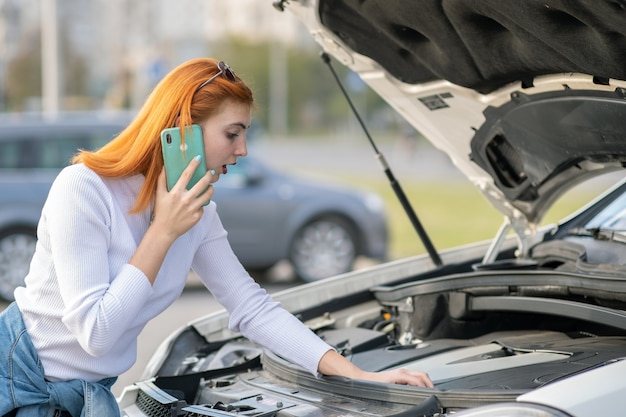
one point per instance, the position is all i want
(177, 156)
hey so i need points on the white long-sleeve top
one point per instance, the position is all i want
(84, 305)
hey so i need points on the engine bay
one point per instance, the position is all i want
(477, 350)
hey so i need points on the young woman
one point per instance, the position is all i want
(115, 248)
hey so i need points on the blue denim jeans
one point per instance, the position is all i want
(23, 386)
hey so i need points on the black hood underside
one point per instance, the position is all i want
(536, 147)
(537, 141)
(485, 44)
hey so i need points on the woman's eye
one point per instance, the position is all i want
(232, 135)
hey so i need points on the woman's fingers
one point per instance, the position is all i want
(203, 188)
(420, 379)
(402, 376)
(180, 209)
(187, 173)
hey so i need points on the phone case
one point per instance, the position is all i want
(177, 156)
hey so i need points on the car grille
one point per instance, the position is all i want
(154, 402)
(150, 407)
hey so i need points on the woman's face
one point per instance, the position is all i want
(225, 136)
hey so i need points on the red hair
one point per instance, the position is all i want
(137, 149)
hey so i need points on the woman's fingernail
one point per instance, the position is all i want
(198, 158)
(212, 172)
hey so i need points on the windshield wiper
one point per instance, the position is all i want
(599, 234)
(610, 235)
(392, 179)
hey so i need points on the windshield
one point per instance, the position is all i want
(612, 218)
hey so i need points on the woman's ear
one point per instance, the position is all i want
(177, 121)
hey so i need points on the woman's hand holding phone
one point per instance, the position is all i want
(187, 181)
(179, 152)
(175, 212)
(180, 209)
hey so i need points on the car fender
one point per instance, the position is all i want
(369, 224)
(317, 210)
(19, 215)
(581, 395)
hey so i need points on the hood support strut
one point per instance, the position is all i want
(394, 183)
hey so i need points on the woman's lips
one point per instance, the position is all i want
(224, 169)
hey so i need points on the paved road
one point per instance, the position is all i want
(416, 160)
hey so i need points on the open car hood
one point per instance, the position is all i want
(526, 97)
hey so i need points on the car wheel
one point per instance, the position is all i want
(16, 250)
(323, 248)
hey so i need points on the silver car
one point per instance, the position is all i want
(320, 228)
(528, 98)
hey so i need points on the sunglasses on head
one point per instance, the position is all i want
(224, 70)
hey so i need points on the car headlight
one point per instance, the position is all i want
(374, 202)
(512, 410)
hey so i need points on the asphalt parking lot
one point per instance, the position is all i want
(342, 155)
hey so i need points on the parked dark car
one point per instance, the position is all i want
(33, 151)
(270, 216)
(321, 228)
(528, 98)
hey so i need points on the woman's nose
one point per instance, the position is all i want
(242, 149)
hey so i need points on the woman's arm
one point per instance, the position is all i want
(78, 223)
(332, 363)
(174, 214)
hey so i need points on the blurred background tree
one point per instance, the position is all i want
(314, 102)
(23, 76)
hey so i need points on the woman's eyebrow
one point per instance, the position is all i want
(240, 124)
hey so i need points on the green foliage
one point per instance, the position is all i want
(452, 213)
(315, 103)
(23, 77)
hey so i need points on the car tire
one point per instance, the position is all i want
(322, 248)
(17, 246)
